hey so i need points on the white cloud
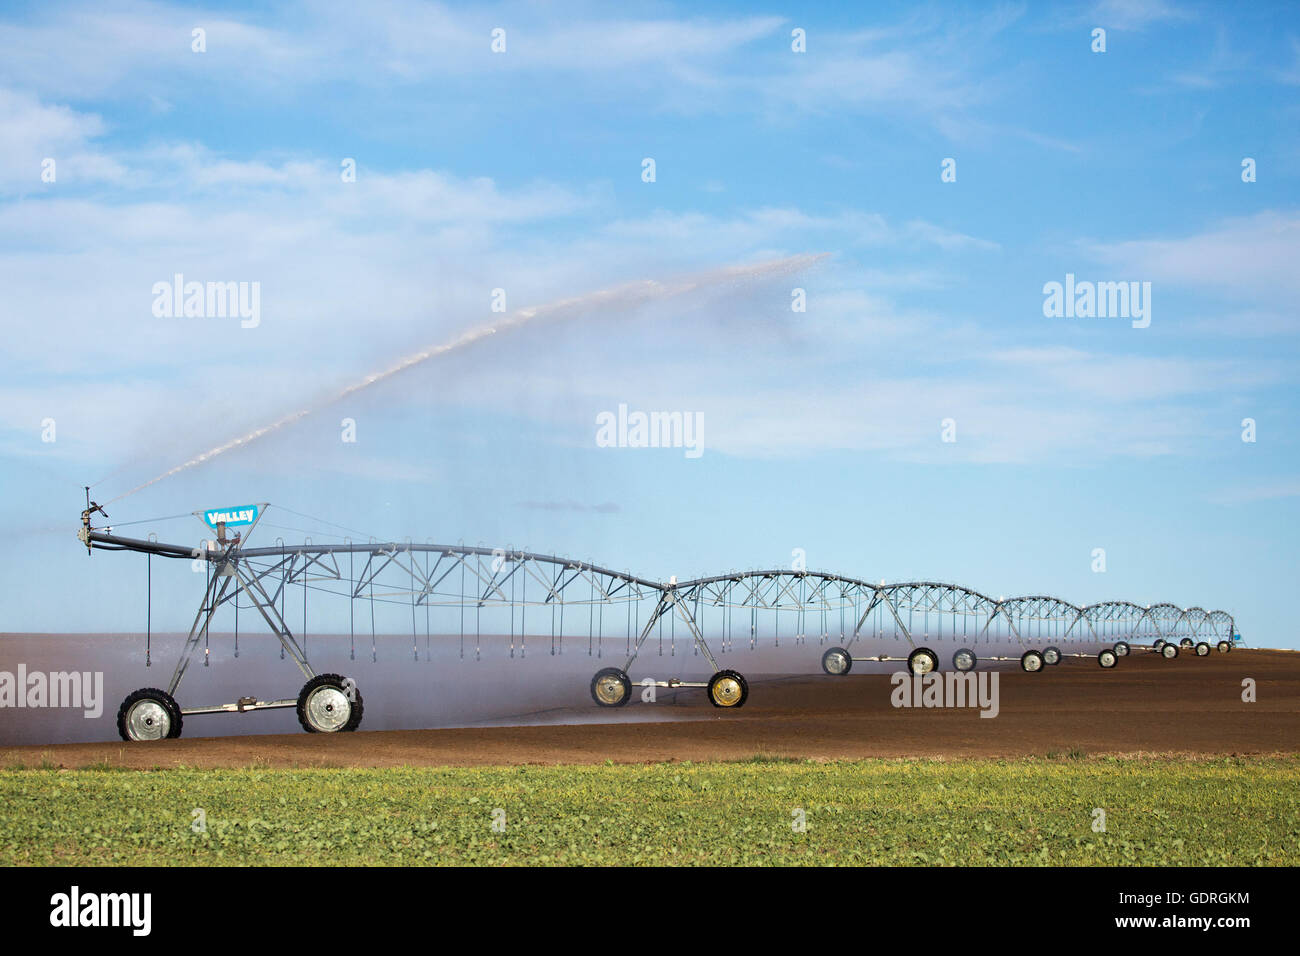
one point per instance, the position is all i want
(1094, 378)
(353, 274)
(1247, 494)
(1290, 75)
(747, 228)
(1135, 14)
(1254, 256)
(606, 507)
(928, 232)
(1247, 324)
(922, 67)
(85, 49)
(32, 131)
(775, 390)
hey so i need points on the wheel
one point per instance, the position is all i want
(1202, 649)
(922, 661)
(964, 660)
(728, 689)
(1121, 649)
(1031, 662)
(1107, 658)
(149, 714)
(1051, 655)
(1185, 642)
(1159, 645)
(1224, 647)
(328, 704)
(837, 661)
(611, 687)
(1169, 651)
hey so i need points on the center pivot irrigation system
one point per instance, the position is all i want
(459, 584)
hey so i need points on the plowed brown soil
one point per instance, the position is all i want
(1146, 705)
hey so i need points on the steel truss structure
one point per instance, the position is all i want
(458, 584)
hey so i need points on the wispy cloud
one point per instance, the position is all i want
(1136, 14)
(1248, 494)
(1253, 255)
(32, 131)
(750, 227)
(924, 66)
(604, 507)
(1290, 74)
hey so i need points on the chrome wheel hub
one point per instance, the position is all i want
(727, 691)
(328, 709)
(609, 689)
(148, 720)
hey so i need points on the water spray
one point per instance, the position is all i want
(622, 296)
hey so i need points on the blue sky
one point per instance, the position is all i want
(522, 170)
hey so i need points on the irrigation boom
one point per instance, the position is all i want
(450, 580)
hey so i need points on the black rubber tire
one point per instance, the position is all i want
(1051, 652)
(358, 709)
(1202, 649)
(150, 693)
(958, 654)
(1224, 647)
(848, 661)
(1159, 645)
(1121, 649)
(1169, 651)
(1185, 642)
(1107, 657)
(919, 653)
(340, 683)
(622, 677)
(1028, 659)
(744, 689)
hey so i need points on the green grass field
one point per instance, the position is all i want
(1228, 811)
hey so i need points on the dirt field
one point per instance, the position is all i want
(1146, 705)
